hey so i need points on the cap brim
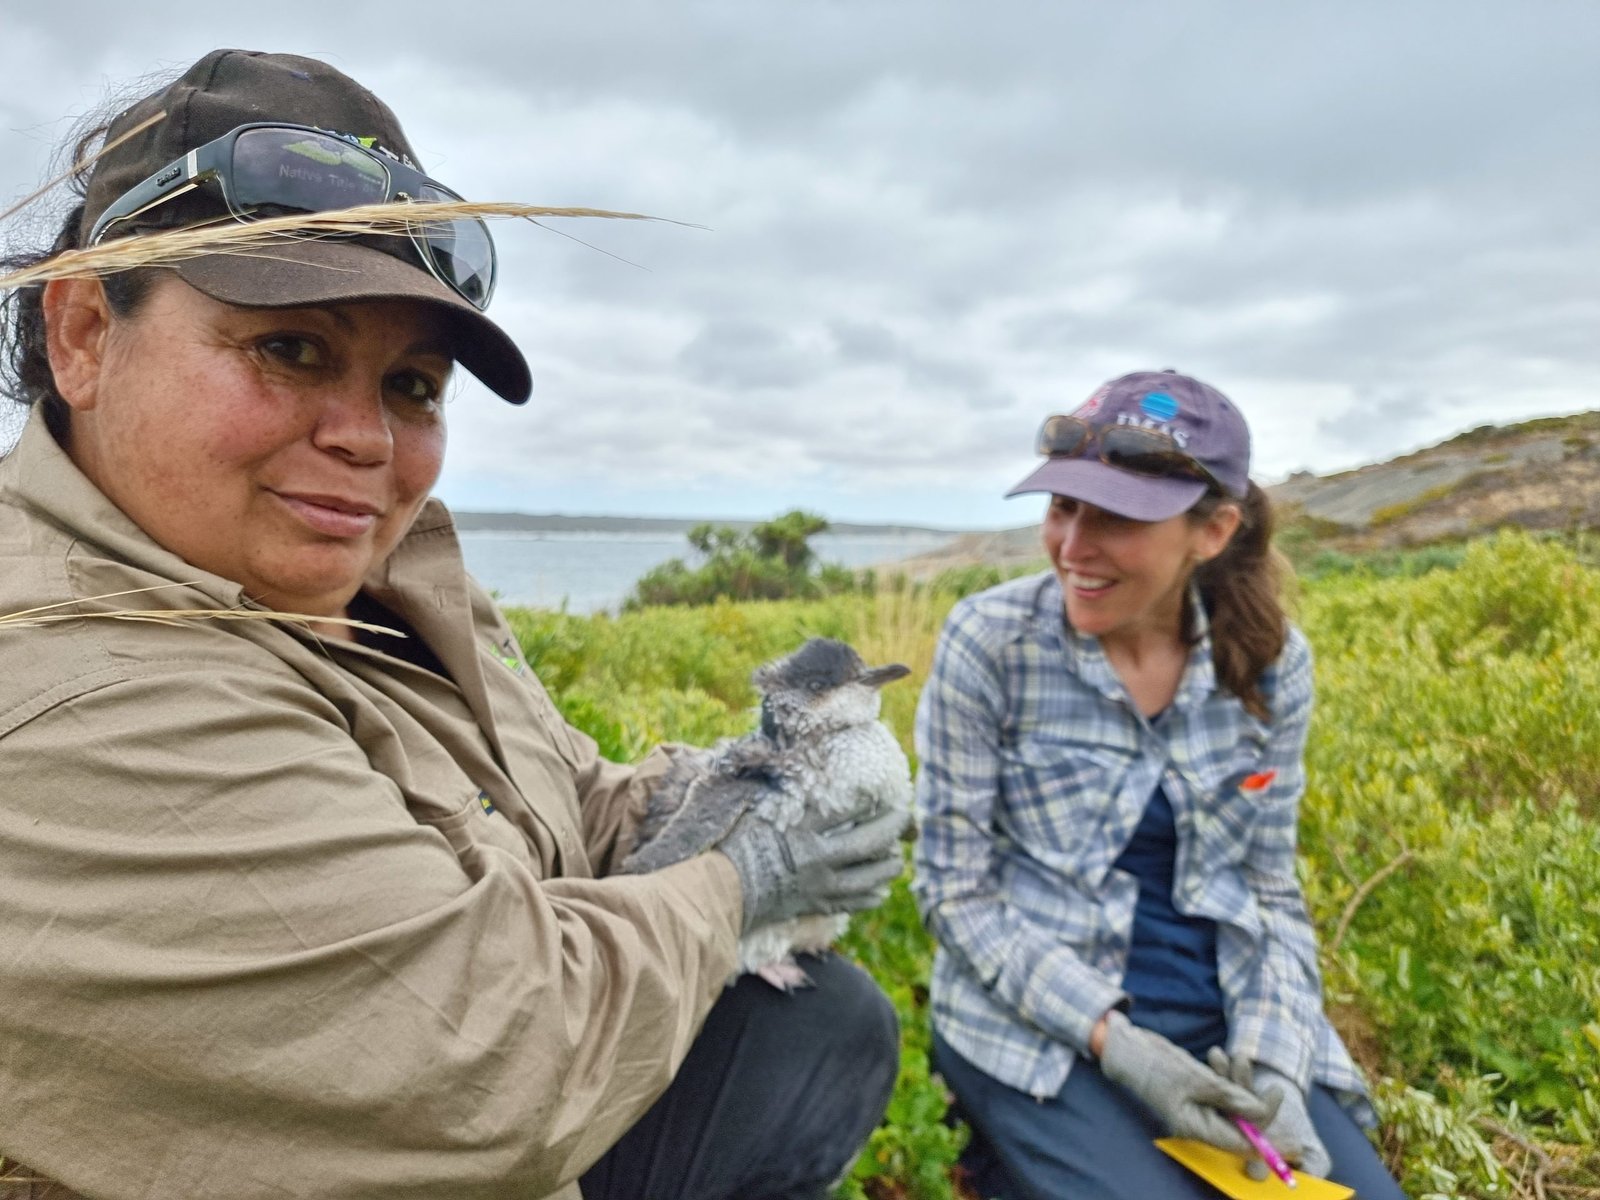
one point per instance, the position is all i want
(330, 272)
(1140, 497)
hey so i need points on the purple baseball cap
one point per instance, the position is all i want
(1201, 420)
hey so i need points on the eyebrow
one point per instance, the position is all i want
(437, 344)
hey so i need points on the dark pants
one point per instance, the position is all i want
(1092, 1141)
(777, 1096)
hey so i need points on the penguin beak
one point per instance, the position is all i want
(878, 676)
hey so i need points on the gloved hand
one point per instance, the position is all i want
(819, 865)
(1189, 1098)
(1290, 1131)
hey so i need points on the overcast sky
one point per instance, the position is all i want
(1372, 224)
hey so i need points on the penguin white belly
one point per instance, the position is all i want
(862, 761)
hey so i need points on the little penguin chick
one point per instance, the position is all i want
(820, 747)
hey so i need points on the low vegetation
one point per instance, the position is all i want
(1390, 513)
(1449, 841)
(773, 561)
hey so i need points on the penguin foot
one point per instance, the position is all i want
(785, 974)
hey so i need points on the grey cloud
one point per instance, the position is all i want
(745, 354)
(864, 342)
(933, 222)
(1380, 418)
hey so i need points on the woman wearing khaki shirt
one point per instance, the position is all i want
(303, 909)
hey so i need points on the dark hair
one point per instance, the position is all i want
(1242, 591)
(25, 375)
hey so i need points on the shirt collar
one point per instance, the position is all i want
(1086, 660)
(38, 475)
(1200, 673)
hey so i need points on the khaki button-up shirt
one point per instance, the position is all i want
(285, 917)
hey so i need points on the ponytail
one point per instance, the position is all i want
(26, 379)
(1241, 589)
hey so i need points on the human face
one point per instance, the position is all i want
(285, 449)
(1125, 580)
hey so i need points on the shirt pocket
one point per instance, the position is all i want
(1057, 793)
(476, 829)
(1243, 794)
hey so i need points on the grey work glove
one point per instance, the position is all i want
(819, 865)
(1290, 1131)
(1188, 1097)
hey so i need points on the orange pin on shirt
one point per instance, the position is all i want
(1257, 782)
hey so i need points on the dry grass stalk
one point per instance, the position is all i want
(80, 165)
(228, 236)
(1361, 893)
(1535, 1154)
(48, 614)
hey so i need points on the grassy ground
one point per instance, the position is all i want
(1450, 853)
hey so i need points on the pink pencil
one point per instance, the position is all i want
(1269, 1152)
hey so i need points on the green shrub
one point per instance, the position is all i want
(1454, 722)
(1384, 564)
(773, 561)
(1455, 740)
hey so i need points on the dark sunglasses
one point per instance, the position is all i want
(1126, 447)
(265, 170)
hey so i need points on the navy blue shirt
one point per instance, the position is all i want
(1172, 960)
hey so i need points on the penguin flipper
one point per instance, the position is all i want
(670, 792)
(709, 809)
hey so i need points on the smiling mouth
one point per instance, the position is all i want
(1088, 585)
(331, 516)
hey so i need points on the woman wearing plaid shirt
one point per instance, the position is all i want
(1111, 774)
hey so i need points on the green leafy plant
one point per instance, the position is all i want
(1449, 841)
(773, 561)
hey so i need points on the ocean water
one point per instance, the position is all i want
(589, 572)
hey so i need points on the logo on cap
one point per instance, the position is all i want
(1158, 406)
(1092, 405)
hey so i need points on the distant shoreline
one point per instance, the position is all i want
(504, 522)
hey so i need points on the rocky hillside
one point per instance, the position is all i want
(1542, 474)
(1004, 548)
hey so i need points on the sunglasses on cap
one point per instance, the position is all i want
(269, 169)
(1126, 447)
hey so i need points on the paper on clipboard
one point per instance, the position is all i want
(1224, 1170)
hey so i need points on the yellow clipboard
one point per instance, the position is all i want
(1224, 1170)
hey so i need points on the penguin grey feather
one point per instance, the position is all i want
(818, 746)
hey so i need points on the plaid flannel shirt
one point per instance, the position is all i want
(1035, 770)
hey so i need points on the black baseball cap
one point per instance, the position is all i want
(229, 88)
